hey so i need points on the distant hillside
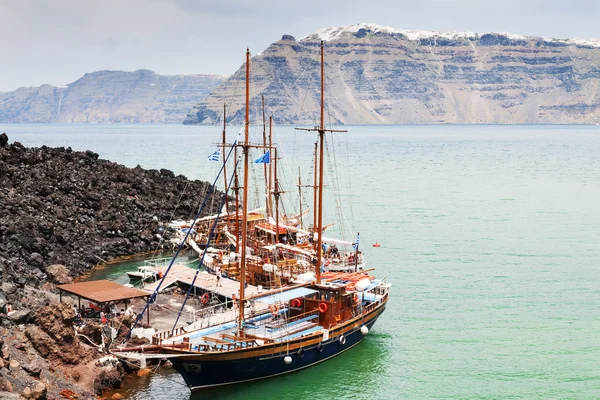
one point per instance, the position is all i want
(109, 97)
(378, 75)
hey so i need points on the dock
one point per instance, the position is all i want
(205, 282)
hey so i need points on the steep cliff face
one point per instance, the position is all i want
(109, 97)
(377, 75)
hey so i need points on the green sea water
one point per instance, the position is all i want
(490, 236)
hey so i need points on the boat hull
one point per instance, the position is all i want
(200, 373)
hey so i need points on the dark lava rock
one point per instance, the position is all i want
(288, 37)
(77, 210)
(3, 140)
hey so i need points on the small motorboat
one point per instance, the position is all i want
(142, 274)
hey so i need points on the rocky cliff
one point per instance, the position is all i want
(65, 207)
(109, 97)
(378, 75)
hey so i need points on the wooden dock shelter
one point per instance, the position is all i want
(103, 292)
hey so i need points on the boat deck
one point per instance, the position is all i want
(204, 281)
(259, 329)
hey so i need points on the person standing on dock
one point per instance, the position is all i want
(218, 273)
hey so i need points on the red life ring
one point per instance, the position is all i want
(204, 298)
(355, 298)
(322, 307)
(296, 303)
(274, 309)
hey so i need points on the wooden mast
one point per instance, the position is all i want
(236, 188)
(315, 189)
(244, 234)
(321, 166)
(300, 195)
(267, 189)
(270, 182)
(276, 193)
(318, 227)
(224, 165)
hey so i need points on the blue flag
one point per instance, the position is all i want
(216, 156)
(264, 159)
(355, 244)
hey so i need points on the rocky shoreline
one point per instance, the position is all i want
(63, 213)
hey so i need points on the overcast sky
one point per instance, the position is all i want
(57, 41)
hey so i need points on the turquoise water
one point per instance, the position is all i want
(489, 234)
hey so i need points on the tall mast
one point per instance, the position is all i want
(300, 195)
(276, 194)
(267, 189)
(224, 164)
(237, 202)
(245, 199)
(321, 164)
(270, 183)
(315, 190)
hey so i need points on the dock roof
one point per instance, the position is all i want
(102, 291)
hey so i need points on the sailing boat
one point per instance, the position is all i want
(283, 330)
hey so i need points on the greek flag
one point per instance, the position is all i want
(355, 244)
(264, 159)
(216, 156)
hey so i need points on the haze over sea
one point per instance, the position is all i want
(490, 236)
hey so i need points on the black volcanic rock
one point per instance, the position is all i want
(72, 208)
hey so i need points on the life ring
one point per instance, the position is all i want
(355, 298)
(300, 353)
(342, 340)
(319, 347)
(322, 307)
(274, 309)
(327, 263)
(204, 298)
(296, 303)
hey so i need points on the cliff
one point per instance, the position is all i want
(109, 97)
(63, 213)
(377, 75)
(72, 208)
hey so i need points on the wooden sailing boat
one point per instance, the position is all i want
(283, 330)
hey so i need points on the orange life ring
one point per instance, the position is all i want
(322, 307)
(355, 298)
(296, 303)
(274, 309)
(204, 298)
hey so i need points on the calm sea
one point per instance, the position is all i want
(490, 236)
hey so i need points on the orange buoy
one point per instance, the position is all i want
(204, 298)
(376, 244)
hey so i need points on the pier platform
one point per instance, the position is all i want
(205, 282)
